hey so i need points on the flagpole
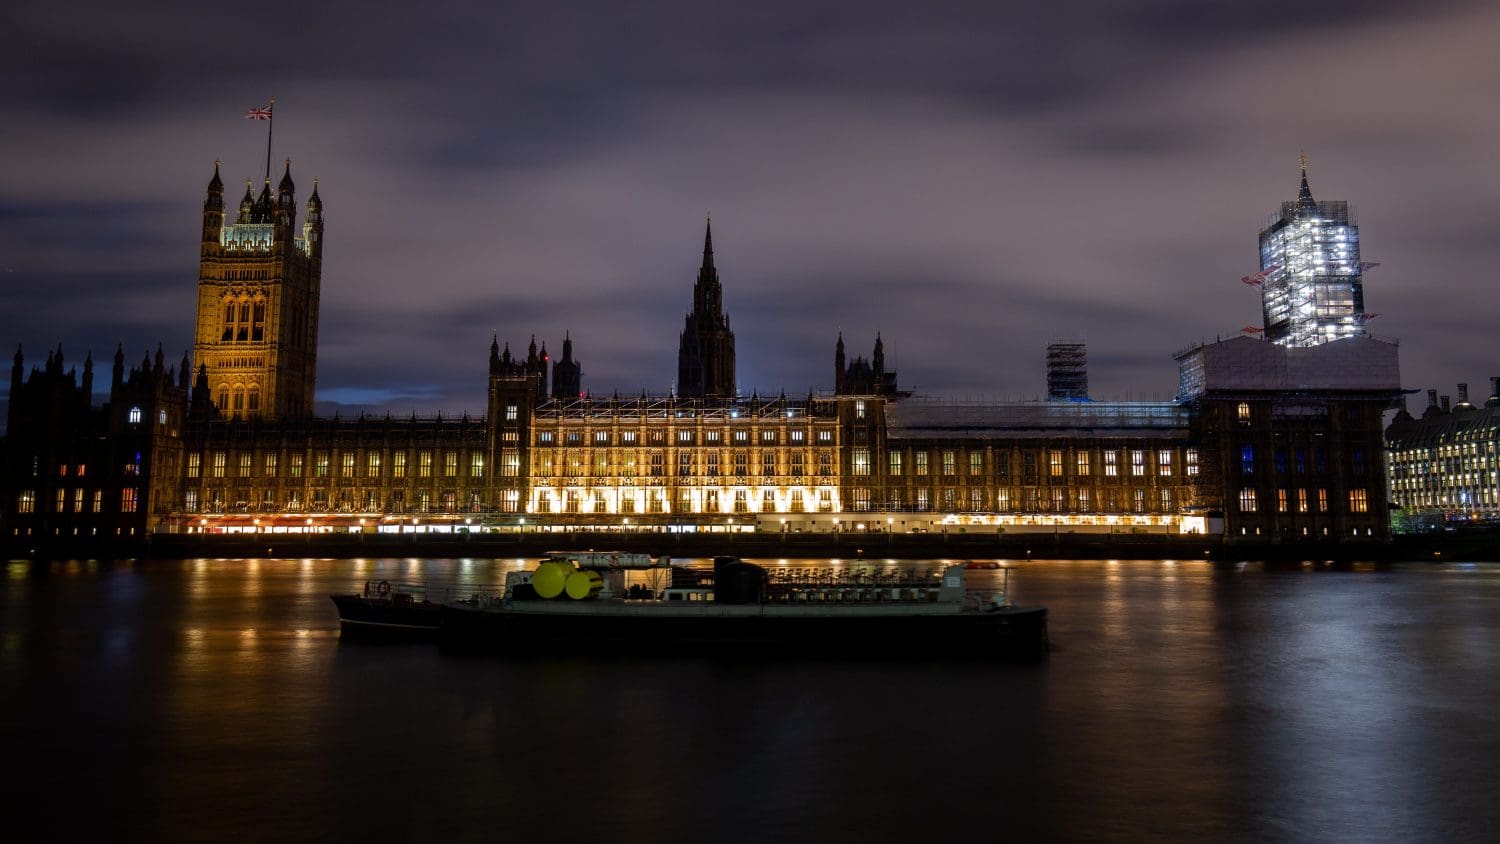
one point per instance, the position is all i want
(270, 127)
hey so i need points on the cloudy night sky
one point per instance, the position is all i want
(973, 181)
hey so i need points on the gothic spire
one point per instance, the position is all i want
(215, 200)
(286, 186)
(708, 244)
(1304, 194)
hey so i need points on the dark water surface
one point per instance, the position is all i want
(214, 700)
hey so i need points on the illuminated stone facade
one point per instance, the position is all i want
(1262, 443)
(256, 336)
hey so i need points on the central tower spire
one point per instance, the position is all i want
(705, 358)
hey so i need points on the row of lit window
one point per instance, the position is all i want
(349, 465)
(347, 501)
(688, 501)
(1056, 463)
(1249, 502)
(82, 501)
(683, 437)
(710, 463)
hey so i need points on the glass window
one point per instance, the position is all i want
(1082, 463)
(861, 461)
(1358, 501)
(1247, 500)
(895, 461)
(1055, 463)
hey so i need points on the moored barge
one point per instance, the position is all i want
(570, 604)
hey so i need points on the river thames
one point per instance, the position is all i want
(215, 699)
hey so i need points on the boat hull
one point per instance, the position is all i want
(383, 615)
(832, 631)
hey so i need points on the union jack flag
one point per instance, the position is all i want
(258, 114)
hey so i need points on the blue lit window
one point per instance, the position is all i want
(1247, 459)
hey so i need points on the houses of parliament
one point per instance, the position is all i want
(1264, 442)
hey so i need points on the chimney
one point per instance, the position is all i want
(1432, 398)
(1494, 399)
(1463, 397)
(1445, 404)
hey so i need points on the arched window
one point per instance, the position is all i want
(239, 400)
(253, 401)
(161, 417)
(228, 321)
(134, 416)
(223, 398)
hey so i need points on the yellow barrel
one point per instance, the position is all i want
(551, 577)
(582, 584)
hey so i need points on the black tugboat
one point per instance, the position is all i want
(402, 608)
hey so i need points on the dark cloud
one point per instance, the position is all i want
(972, 181)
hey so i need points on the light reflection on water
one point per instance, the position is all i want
(1183, 699)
